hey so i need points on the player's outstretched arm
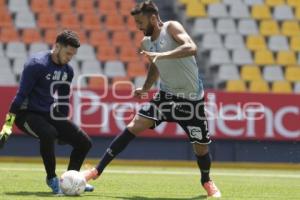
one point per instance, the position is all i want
(6, 128)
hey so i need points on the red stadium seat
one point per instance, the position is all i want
(122, 83)
(99, 38)
(69, 21)
(40, 6)
(50, 35)
(106, 53)
(107, 7)
(91, 22)
(63, 7)
(135, 69)
(97, 82)
(129, 54)
(126, 6)
(47, 21)
(5, 18)
(115, 23)
(121, 38)
(85, 7)
(31, 35)
(9, 34)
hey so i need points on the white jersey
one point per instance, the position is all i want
(178, 76)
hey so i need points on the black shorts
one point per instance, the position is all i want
(190, 115)
(37, 124)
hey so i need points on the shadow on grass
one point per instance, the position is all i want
(40, 194)
(157, 198)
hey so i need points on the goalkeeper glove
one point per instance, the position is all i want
(7, 128)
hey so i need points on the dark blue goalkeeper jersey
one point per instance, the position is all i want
(40, 80)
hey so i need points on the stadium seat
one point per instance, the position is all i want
(25, 20)
(217, 10)
(256, 42)
(195, 9)
(18, 65)
(239, 10)
(292, 74)
(7, 78)
(131, 26)
(211, 41)
(260, 12)
(207, 2)
(297, 88)
(219, 56)
(283, 12)
(250, 73)
(115, 23)
(281, 87)
(139, 81)
(232, 2)
(107, 7)
(227, 72)
(50, 35)
(274, 2)
(99, 38)
(264, 57)
(269, 27)
(202, 26)
(47, 21)
(236, 86)
(91, 67)
(9, 35)
(63, 7)
(17, 6)
(294, 3)
(135, 69)
(126, 6)
(105, 53)
(5, 18)
(37, 46)
(31, 35)
(114, 69)
(85, 7)
(69, 21)
(259, 86)
(121, 38)
(253, 2)
(290, 28)
(286, 58)
(234, 41)
(278, 43)
(16, 50)
(273, 73)
(297, 13)
(247, 27)
(85, 52)
(242, 57)
(91, 22)
(97, 82)
(129, 54)
(40, 6)
(122, 83)
(295, 43)
(226, 26)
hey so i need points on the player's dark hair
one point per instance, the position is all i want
(146, 7)
(68, 37)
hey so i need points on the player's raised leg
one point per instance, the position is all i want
(137, 125)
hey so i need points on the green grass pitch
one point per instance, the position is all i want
(26, 181)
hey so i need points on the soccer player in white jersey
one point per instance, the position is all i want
(180, 99)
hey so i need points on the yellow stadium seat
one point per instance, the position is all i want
(281, 87)
(295, 43)
(274, 2)
(290, 28)
(260, 86)
(250, 73)
(236, 86)
(264, 57)
(292, 74)
(294, 3)
(297, 13)
(261, 12)
(256, 42)
(286, 58)
(209, 1)
(269, 27)
(195, 9)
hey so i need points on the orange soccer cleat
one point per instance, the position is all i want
(212, 190)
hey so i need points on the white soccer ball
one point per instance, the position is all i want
(72, 183)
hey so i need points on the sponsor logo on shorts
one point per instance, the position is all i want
(195, 132)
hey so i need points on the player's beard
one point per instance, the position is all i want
(149, 30)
